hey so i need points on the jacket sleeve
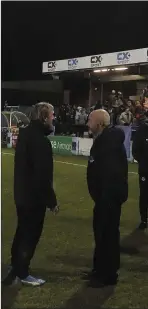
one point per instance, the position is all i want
(42, 162)
(121, 119)
(112, 170)
(137, 145)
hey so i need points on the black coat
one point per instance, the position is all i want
(107, 172)
(33, 168)
(140, 148)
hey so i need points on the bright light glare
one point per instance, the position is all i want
(113, 69)
(120, 69)
(97, 71)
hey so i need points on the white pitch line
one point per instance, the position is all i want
(64, 162)
(70, 163)
(7, 153)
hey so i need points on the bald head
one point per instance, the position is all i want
(98, 120)
(101, 116)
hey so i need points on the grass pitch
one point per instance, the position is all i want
(66, 246)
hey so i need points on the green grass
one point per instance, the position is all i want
(65, 248)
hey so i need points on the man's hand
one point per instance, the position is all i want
(54, 210)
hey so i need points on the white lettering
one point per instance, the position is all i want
(54, 144)
(61, 146)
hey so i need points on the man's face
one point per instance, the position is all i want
(92, 124)
(129, 103)
(145, 104)
(50, 118)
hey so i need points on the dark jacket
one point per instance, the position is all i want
(33, 168)
(140, 148)
(107, 172)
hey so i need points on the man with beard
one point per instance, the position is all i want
(33, 192)
(140, 154)
(107, 178)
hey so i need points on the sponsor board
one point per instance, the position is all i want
(73, 64)
(51, 66)
(61, 144)
(123, 57)
(95, 61)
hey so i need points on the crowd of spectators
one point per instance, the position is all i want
(125, 111)
(72, 119)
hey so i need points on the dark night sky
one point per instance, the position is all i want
(33, 32)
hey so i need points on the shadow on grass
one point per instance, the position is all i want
(136, 267)
(8, 294)
(89, 298)
(85, 298)
(133, 243)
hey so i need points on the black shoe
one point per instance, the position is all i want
(10, 278)
(103, 282)
(142, 226)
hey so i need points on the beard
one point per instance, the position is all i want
(48, 129)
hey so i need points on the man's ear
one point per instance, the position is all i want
(101, 124)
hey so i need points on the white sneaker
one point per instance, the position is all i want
(32, 281)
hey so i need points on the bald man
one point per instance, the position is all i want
(107, 178)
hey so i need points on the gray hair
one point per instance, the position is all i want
(41, 111)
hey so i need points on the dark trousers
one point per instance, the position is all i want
(143, 199)
(28, 232)
(106, 221)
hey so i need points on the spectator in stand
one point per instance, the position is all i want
(73, 114)
(131, 106)
(110, 111)
(5, 105)
(140, 153)
(112, 99)
(117, 103)
(138, 111)
(129, 103)
(82, 122)
(82, 117)
(78, 111)
(126, 118)
(98, 105)
(144, 92)
(120, 99)
(145, 104)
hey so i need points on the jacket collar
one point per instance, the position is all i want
(39, 126)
